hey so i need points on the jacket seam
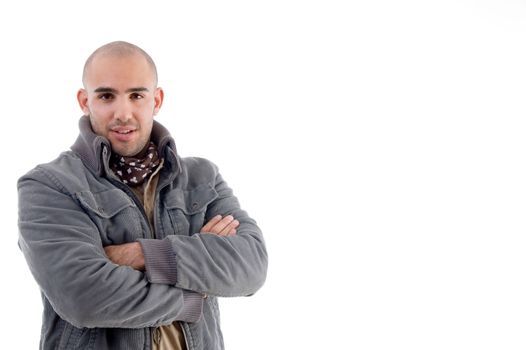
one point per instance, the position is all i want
(55, 181)
(158, 217)
(63, 190)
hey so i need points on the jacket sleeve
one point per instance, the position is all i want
(207, 263)
(64, 252)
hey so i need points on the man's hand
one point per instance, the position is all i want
(129, 254)
(221, 226)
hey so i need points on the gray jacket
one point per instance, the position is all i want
(71, 208)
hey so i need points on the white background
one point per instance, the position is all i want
(380, 145)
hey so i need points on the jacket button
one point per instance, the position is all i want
(101, 209)
(194, 205)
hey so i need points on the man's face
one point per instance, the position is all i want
(121, 100)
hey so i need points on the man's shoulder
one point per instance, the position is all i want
(60, 172)
(65, 162)
(197, 163)
(198, 169)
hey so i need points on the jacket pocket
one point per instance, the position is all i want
(114, 213)
(187, 209)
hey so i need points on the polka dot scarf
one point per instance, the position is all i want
(134, 171)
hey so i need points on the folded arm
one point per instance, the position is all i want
(219, 265)
(132, 255)
(64, 251)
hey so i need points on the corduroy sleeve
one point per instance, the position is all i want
(208, 263)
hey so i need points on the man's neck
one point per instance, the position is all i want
(142, 153)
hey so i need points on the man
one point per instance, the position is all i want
(131, 244)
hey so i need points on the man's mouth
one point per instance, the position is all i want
(122, 130)
(122, 133)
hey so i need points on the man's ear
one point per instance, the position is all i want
(82, 98)
(158, 98)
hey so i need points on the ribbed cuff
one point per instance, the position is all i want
(193, 306)
(159, 261)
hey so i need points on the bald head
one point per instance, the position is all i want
(118, 49)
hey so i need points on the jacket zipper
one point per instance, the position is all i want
(130, 193)
(150, 233)
(155, 208)
(149, 330)
(183, 325)
(137, 203)
(156, 200)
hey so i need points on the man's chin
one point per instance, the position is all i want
(127, 151)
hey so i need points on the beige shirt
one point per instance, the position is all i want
(170, 337)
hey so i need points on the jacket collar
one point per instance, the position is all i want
(95, 150)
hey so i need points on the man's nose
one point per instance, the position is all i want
(123, 111)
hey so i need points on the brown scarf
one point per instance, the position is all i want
(134, 171)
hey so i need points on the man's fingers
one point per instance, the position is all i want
(211, 223)
(221, 225)
(230, 229)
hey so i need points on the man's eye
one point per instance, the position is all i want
(106, 96)
(136, 96)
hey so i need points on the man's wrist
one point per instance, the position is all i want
(127, 254)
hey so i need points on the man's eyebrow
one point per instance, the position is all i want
(105, 89)
(137, 89)
(114, 91)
